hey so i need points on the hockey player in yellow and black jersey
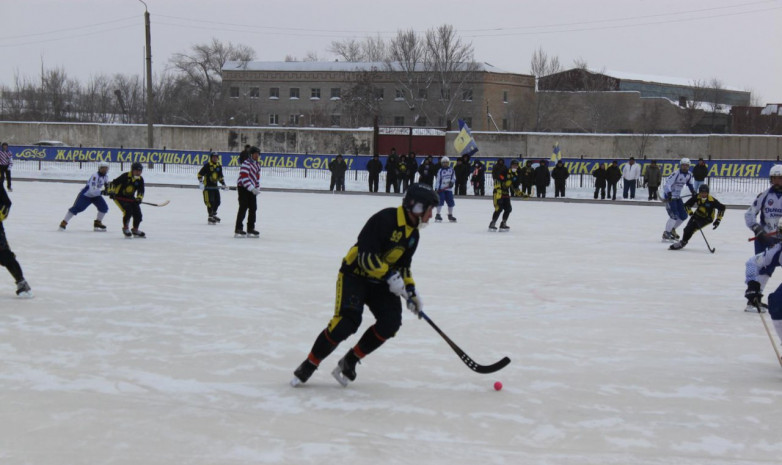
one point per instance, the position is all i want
(210, 178)
(375, 272)
(127, 190)
(702, 215)
(7, 257)
(506, 182)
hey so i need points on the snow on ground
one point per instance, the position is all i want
(179, 348)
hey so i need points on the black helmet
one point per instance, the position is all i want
(703, 188)
(419, 197)
(136, 166)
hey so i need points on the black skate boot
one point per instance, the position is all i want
(127, 232)
(239, 233)
(63, 224)
(438, 218)
(668, 236)
(253, 233)
(211, 220)
(216, 218)
(675, 235)
(493, 226)
(678, 245)
(303, 373)
(23, 289)
(504, 227)
(97, 225)
(452, 218)
(138, 233)
(345, 370)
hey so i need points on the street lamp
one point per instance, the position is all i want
(150, 136)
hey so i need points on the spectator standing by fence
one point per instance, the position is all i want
(630, 175)
(699, 173)
(6, 162)
(653, 177)
(338, 167)
(613, 175)
(527, 178)
(392, 171)
(462, 172)
(542, 178)
(560, 174)
(600, 180)
(374, 167)
(478, 179)
(426, 171)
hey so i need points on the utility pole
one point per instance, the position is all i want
(150, 135)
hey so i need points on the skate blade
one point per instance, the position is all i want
(98, 230)
(239, 236)
(296, 382)
(25, 295)
(492, 230)
(753, 309)
(341, 379)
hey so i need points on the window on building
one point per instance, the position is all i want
(294, 92)
(315, 93)
(379, 93)
(233, 92)
(274, 120)
(421, 94)
(336, 94)
(421, 121)
(399, 120)
(399, 94)
(274, 92)
(445, 94)
(335, 120)
(505, 124)
(293, 120)
(467, 95)
(255, 92)
(255, 118)
(505, 96)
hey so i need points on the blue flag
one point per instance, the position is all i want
(464, 143)
(556, 154)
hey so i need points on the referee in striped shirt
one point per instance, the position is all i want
(6, 162)
(248, 187)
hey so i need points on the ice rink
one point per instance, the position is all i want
(178, 348)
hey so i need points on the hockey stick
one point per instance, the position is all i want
(763, 236)
(484, 369)
(770, 337)
(161, 204)
(707, 242)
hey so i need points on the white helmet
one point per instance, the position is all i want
(684, 161)
(445, 160)
(776, 170)
(103, 164)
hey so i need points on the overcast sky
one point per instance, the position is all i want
(735, 41)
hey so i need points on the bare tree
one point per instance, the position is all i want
(200, 71)
(360, 103)
(348, 50)
(545, 102)
(371, 49)
(406, 63)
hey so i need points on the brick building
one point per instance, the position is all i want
(325, 94)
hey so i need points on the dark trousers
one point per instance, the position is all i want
(693, 225)
(8, 259)
(559, 189)
(374, 180)
(653, 192)
(5, 172)
(461, 188)
(130, 209)
(541, 190)
(628, 188)
(211, 200)
(602, 191)
(248, 203)
(612, 187)
(392, 181)
(526, 187)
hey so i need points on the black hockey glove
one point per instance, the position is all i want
(716, 223)
(753, 293)
(757, 229)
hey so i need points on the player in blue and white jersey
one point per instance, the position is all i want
(91, 195)
(758, 270)
(768, 204)
(443, 185)
(672, 196)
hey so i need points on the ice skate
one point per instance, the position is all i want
(211, 220)
(668, 236)
(98, 226)
(438, 218)
(239, 233)
(345, 371)
(677, 245)
(253, 233)
(493, 226)
(751, 308)
(138, 233)
(504, 227)
(127, 233)
(216, 218)
(23, 289)
(674, 234)
(63, 224)
(303, 373)
(452, 218)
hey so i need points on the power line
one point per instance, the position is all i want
(77, 28)
(61, 38)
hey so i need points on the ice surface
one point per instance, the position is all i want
(179, 348)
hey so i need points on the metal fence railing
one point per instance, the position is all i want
(68, 170)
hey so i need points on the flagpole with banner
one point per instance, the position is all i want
(556, 154)
(464, 143)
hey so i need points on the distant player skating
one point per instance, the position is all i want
(762, 217)
(91, 194)
(505, 182)
(127, 191)
(443, 184)
(7, 257)
(672, 196)
(248, 186)
(703, 215)
(375, 272)
(210, 179)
